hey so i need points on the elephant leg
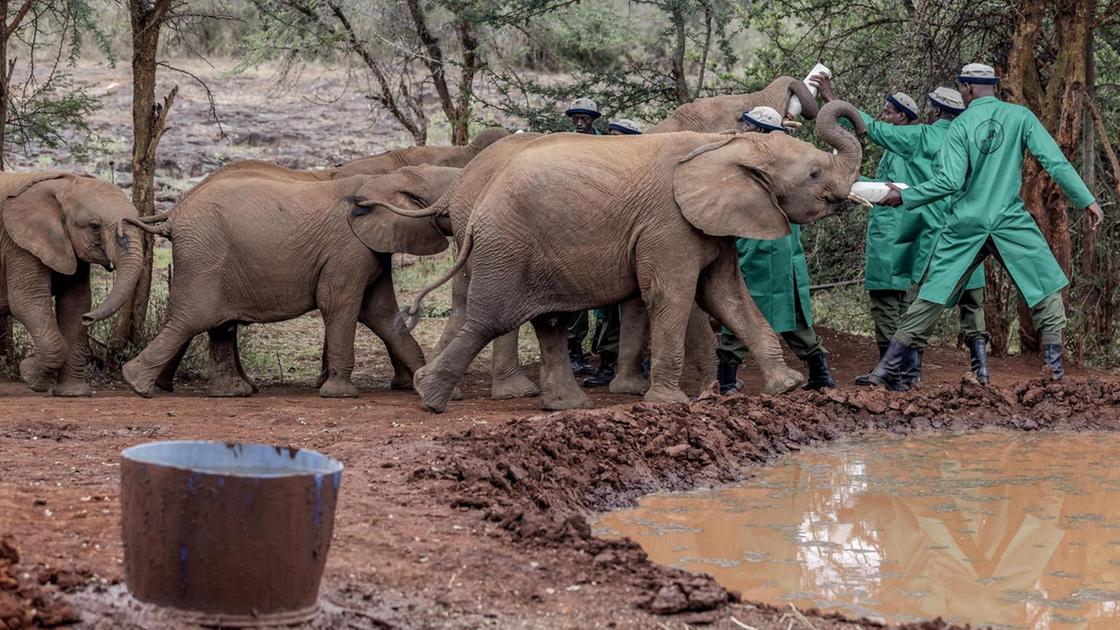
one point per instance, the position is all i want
(29, 291)
(724, 296)
(323, 373)
(669, 300)
(699, 354)
(380, 314)
(632, 341)
(166, 378)
(436, 380)
(507, 379)
(141, 372)
(560, 389)
(225, 378)
(340, 307)
(73, 300)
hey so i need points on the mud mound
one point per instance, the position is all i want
(30, 598)
(538, 477)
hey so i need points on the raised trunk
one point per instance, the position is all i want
(809, 107)
(129, 264)
(849, 153)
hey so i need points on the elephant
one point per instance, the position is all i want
(53, 226)
(255, 249)
(716, 113)
(577, 222)
(389, 161)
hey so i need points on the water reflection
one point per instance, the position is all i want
(1008, 530)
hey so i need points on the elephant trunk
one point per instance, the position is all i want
(849, 153)
(809, 107)
(128, 259)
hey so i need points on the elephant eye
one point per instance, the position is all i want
(815, 173)
(95, 225)
(420, 203)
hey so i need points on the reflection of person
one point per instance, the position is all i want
(980, 167)
(910, 156)
(608, 321)
(777, 276)
(583, 113)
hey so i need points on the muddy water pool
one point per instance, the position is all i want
(1002, 529)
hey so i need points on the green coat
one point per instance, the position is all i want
(892, 236)
(912, 150)
(981, 172)
(777, 276)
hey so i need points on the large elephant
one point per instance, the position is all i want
(54, 226)
(576, 222)
(389, 161)
(254, 249)
(716, 113)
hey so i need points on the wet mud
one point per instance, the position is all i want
(31, 596)
(540, 478)
(997, 529)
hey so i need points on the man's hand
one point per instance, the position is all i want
(1096, 216)
(824, 87)
(893, 198)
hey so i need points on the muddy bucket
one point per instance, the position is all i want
(230, 534)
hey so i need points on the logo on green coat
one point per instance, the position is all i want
(989, 136)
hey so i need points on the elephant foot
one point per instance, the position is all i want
(402, 379)
(322, 378)
(74, 389)
(568, 399)
(338, 387)
(229, 388)
(457, 394)
(632, 384)
(662, 393)
(428, 386)
(131, 373)
(781, 380)
(515, 386)
(32, 373)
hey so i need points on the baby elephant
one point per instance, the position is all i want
(263, 247)
(53, 226)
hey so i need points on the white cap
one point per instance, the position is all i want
(948, 99)
(583, 106)
(625, 125)
(904, 104)
(978, 73)
(765, 117)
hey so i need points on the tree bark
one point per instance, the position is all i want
(149, 119)
(680, 80)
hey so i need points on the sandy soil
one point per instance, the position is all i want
(475, 518)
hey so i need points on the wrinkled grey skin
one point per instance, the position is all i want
(539, 242)
(53, 226)
(716, 113)
(255, 248)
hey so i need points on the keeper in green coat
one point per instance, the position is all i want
(777, 276)
(980, 169)
(899, 243)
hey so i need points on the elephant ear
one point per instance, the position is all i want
(722, 193)
(33, 217)
(383, 230)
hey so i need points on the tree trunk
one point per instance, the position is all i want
(148, 120)
(680, 80)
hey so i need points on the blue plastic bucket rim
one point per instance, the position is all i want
(177, 454)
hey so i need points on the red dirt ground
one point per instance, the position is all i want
(475, 518)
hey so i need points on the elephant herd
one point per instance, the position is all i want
(544, 225)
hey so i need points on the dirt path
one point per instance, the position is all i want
(428, 534)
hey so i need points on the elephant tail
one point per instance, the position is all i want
(412, 315)
(422, 213)
(151, 225)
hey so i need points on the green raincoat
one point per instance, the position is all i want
(981, 168)
(777, 276)
(912, 153)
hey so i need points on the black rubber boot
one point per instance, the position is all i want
(978, 348)
(911, 374)
(819, 374)
(728, 378)
(1052, 356)
(579, 362)
(888, 372)
(862, 378)
(602, 377)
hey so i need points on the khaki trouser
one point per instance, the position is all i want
(605, 340)
(888, 308)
